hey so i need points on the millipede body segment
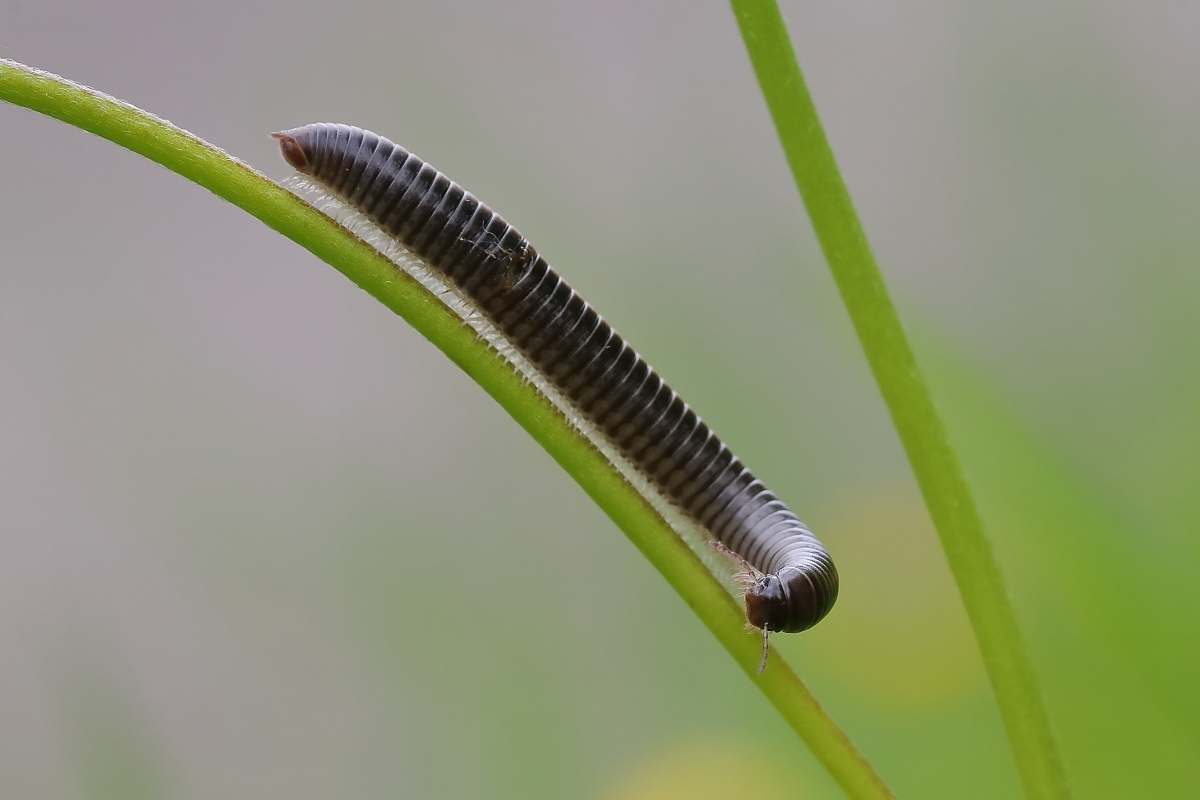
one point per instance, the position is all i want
(578, 353)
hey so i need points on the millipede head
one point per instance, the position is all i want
(767, 605)
(793, 600)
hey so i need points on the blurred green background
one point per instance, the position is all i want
(258, 539)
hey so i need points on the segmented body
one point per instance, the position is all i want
(580, 354)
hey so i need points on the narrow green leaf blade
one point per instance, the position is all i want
(922, 432)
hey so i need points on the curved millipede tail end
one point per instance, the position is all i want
(293, 153)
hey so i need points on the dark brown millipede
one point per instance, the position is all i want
(794, 583)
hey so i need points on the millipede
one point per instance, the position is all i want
(598, 379)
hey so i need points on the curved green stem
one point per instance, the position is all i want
(936, 466)
(242, 186)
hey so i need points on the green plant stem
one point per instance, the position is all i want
(937, 469)
(242, 186)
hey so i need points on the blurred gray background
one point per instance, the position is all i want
(259, 539)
